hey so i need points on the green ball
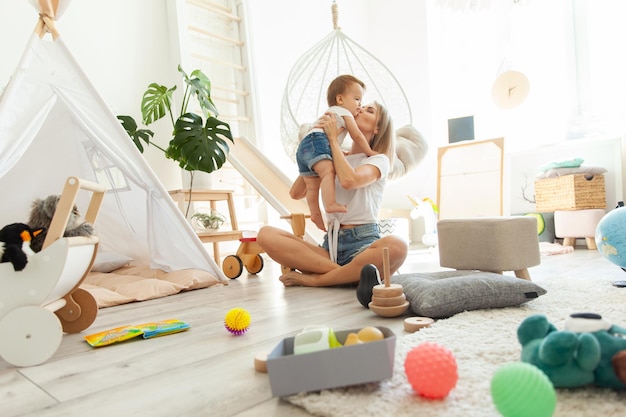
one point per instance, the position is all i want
(519, 389)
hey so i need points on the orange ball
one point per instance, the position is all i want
(352, 339)
(370, 334)
(431, 370)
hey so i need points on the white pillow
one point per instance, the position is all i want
(109, 261)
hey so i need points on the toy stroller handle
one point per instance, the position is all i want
(66, 204)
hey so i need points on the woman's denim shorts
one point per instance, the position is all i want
(353, 241)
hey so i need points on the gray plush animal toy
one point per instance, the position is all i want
(41, 215)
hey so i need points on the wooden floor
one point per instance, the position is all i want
(203, 371)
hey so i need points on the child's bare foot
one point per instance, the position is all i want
(335, 208)
(318, 220)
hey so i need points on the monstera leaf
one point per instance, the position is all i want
(156, 102)
(198, 146)
(137, 135)
(195, 145)
(199, 86)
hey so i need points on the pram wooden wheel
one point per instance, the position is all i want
(79, 312)
(232, 266)
(30, 335)
(254, 263)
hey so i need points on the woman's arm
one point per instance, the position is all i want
(349, 177)
(298, 189)
(358, 136)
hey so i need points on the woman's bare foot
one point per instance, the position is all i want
(296, 278)
(335, 208)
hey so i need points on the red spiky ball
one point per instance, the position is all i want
(431, 370)
(237, 321)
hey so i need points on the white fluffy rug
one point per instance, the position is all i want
(484, 340)
(547, 248)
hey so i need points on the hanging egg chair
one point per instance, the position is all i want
(304, 99)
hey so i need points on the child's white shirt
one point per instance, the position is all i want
(340, 113)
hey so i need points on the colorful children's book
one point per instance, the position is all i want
(162, 328)
(147, 330)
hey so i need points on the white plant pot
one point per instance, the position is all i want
(201, 180)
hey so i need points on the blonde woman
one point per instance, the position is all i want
(353, 239)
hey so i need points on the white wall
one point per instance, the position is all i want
(447, 60)
(394, 31)
(121, 45)
(124, 45)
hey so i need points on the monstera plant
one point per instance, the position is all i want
(196, 144)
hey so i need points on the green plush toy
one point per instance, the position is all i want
(589, 350)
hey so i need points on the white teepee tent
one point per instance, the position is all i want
(54, 124)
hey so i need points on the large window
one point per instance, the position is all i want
(600, 41)
(571, 51)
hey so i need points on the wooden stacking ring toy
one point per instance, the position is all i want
(260, 362)
(413, 324)
(388, 300)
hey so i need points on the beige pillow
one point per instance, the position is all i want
(148, 289)
(191, 279)
(138, 283)
(105, 297)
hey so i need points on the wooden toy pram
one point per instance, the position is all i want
(43, 300)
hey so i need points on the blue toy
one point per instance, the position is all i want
(609, 233)
(590, 350)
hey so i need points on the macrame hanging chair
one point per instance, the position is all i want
(304, 99)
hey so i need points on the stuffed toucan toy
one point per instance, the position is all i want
(15, 241)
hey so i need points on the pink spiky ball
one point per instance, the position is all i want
(431, 370)
(237, 321)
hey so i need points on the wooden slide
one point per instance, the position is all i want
(269, 181)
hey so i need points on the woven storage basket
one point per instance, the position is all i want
(570, 192)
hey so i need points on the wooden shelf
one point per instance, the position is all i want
(211, 196)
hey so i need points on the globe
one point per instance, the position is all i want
(611, 236)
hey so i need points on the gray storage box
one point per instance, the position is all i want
(347, 365)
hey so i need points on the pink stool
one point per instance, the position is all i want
(572, 224)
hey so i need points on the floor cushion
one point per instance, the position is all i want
(445, 293)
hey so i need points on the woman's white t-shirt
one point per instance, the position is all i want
(363, 203)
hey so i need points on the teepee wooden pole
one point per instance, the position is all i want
(47, 12)
(48, 7)
(39, 28)
(49, 26)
